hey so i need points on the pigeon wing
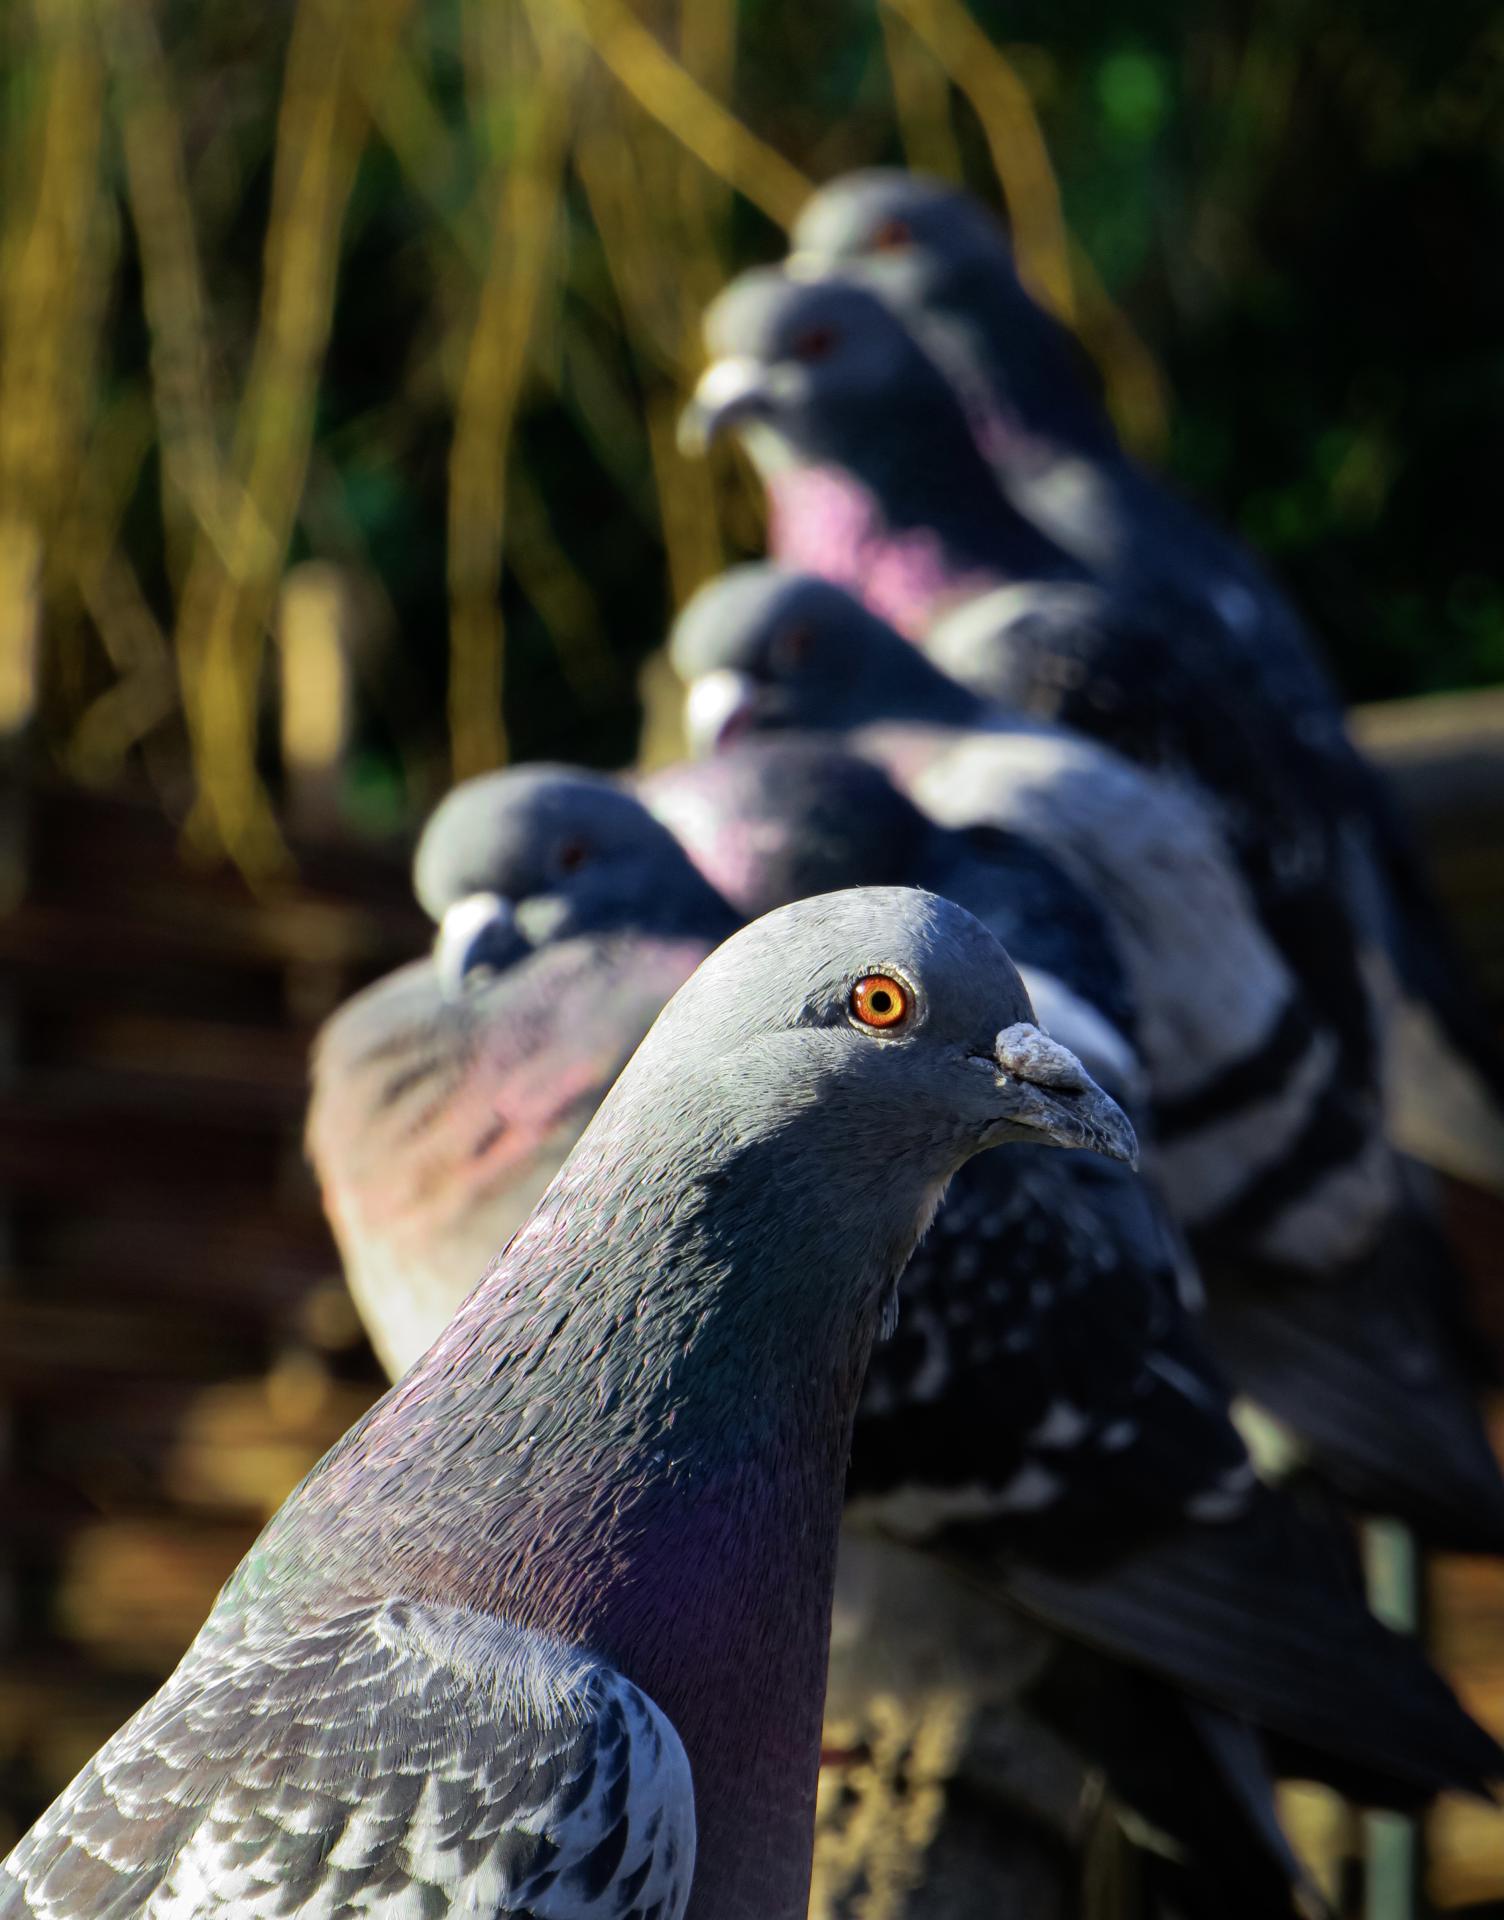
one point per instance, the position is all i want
(420, 1760)
(1261, 1618)
(1044, 1393)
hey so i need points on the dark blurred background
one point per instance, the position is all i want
(341, 347)
(413, 290)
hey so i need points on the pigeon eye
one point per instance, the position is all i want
(571, 856)
(891, 236)
(878, 1000)
(791, 648)
(815, 343)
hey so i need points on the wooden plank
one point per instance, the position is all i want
(1444, 755)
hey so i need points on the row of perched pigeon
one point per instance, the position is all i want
(546, 1633)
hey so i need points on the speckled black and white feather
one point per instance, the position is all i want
(1044, 1386)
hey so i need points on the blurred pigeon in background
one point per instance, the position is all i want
(546, 1632)
(891, 469)
(872, 473)
(1037, 408)
(446, 1097)
(1045, 1412)
(874, 482)
(1334, 1296)
(792, 817)
(763, 649)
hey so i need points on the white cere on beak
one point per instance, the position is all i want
(1058, 1097)
(1028, 1054)
(460, 928)
(1061, 1013)
(713, 706)
(724, 383)
(721, 389)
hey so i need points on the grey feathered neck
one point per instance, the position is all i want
(634, 1438)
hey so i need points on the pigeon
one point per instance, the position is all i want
(446, 1096)
(1333, 1294)
(941, 260)
(876, 482)
(779, 821)
(1045, 1412)
(545, 1633)
(872, 474)
(1222, 1027)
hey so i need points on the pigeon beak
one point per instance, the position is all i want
(721, 707)
(479, 931)
(729, 390)
(1051, 1094)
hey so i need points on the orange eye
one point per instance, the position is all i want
(880, 1001)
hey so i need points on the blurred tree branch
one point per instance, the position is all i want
(230, 593)
(525, 183)
(146, 692)
(672, 96)
(56, 255)
(1019, 155)
(430, 155)
(560, 595)
(193, 492)
(921, 94)
(631, 219)
(1048, 259)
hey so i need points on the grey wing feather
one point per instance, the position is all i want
(1260, 1618)
(420, 1761)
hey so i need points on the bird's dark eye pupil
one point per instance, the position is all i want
(572, 855)
(814, 343)
(891, 235)
(877, 1000)
(793, 646)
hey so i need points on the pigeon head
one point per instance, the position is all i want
(882, 1027)
(515, 860)
(798, 367)
(773, 820)
(447, 1095)
(932, 248)
(908, 229)
(762, 648)
(875, 476)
